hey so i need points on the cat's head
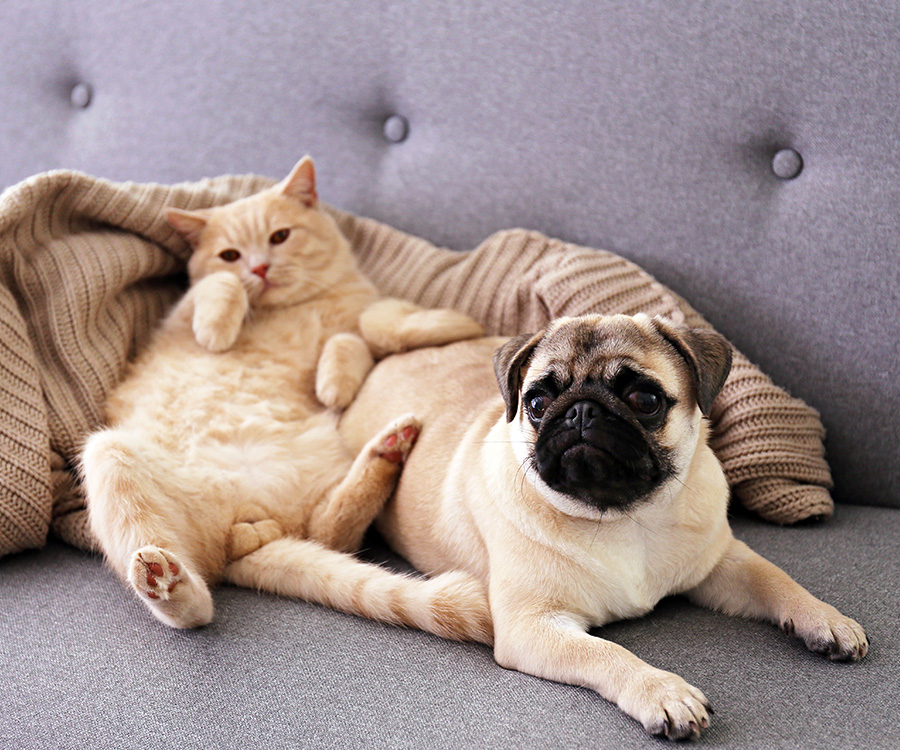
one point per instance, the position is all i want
(281, 245)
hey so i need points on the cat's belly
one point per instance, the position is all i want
(214, 394)
(287, 469)
(253, 431)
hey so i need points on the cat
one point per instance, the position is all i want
(221, 458)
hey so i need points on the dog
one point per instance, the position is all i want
(583, 492)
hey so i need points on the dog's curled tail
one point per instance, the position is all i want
(452, 605)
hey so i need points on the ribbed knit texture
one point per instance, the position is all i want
(88, 267)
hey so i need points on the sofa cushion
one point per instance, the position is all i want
(84, 665)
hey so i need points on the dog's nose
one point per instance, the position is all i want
(261, 270)
(582, 414)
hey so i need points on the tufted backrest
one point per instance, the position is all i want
(744, 153)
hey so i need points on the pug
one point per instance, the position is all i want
(582, 492)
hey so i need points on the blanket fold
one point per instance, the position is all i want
(88, 267)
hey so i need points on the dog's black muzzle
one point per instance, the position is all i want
(591, 448)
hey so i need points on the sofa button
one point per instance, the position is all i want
(787, 164)
(80, 95)
(396, 128)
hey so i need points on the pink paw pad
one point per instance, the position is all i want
(399, 444)
(153, 572)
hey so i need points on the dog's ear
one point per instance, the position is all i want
(707, 353)
(509, 363)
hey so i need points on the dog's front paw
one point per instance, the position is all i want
(826, 631)
(666, 705)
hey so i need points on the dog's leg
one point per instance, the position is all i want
(744, 583)
(557, 647)
(392, 325)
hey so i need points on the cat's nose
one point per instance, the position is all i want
(261, 270)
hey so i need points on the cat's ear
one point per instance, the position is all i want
(189, 224)
(301, 183)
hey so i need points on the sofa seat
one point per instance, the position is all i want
(85, 666)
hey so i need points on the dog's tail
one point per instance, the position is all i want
(452, 605)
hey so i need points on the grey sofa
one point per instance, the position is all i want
(747, 154)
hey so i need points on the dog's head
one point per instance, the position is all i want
(607, 409)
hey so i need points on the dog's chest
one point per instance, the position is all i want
(626, 571)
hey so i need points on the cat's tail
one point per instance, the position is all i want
(452, 605)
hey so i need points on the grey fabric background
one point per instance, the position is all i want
(646, 128)
(83, 665)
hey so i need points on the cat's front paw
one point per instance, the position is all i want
(215, 338)
(220, 306)
(343, 365)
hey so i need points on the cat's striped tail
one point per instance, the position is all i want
(452, 605)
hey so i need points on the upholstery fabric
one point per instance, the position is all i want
(93, 266)
(84, 665)
(647, 128)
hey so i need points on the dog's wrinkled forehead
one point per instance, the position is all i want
(576, 350)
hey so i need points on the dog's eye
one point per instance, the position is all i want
(537, 405)
(646, 403)
(229, 255)
(280, 236)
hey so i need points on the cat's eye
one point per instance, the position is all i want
(280, 236)
(229, 255)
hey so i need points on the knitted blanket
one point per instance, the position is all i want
(88, 267)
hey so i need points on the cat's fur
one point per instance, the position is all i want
(220, 460)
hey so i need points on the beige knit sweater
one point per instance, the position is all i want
(88, 267)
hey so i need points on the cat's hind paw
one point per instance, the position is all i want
(153, 574)
(247, 537)
(174, 595)
(395, 441)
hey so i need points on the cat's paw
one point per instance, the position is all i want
(343, 365)
(220, 306)
(246, 537)
(174, 594)
(338, 390)
(216, 334)
(153, 574)
(395, 441)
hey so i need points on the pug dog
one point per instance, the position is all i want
(583, 492)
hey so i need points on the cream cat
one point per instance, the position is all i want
(220, 461)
